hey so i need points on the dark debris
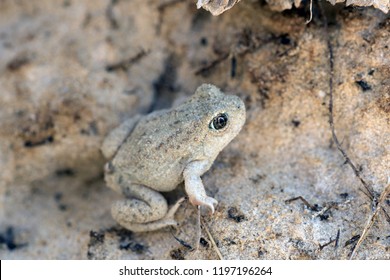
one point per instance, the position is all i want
(126, 241)
(177, 254)
(352, 241)
(296, 122)
(182, 242)
(315, 207)
(364, 85)
(8, 239)
(95, 238)
(65, 172)
(204, 242)
(236, 215)
(18, 63)
(32, 144)
(125, 64)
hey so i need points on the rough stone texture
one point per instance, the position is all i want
(217, 7)
(281, 5)
(72, 70)
(383, 5)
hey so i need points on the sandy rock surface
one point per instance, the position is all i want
(281, 5)
(217, 7)
(72, 70)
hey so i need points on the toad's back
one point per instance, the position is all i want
(159, 148)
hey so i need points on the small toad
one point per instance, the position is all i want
(155, 153)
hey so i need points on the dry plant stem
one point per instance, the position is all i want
(311, 12)
(336, 244)
(322, 212)
(212, 241)
(199, 231)
(126, 64)
(212, 64)
(368, 190)
(371, 219)
(307, 204)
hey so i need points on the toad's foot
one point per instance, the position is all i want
(207, 201)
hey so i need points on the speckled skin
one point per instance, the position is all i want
(157, 152)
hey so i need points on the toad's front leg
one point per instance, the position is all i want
(194, 185)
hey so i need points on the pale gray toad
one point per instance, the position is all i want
(155, 153)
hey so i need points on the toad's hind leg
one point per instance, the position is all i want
(143, 210)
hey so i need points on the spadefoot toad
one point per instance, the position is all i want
(155, 153)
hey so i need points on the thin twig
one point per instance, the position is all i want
(327, 243)
(336, 244)
(124, 65)
(324, 210)
(212, 64)
(370, 192)
(212, 240)
(311, 12)
(307, 204)
(371, 219)
(182, 242)
(199, 231)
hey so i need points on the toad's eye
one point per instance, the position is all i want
(219, 122)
